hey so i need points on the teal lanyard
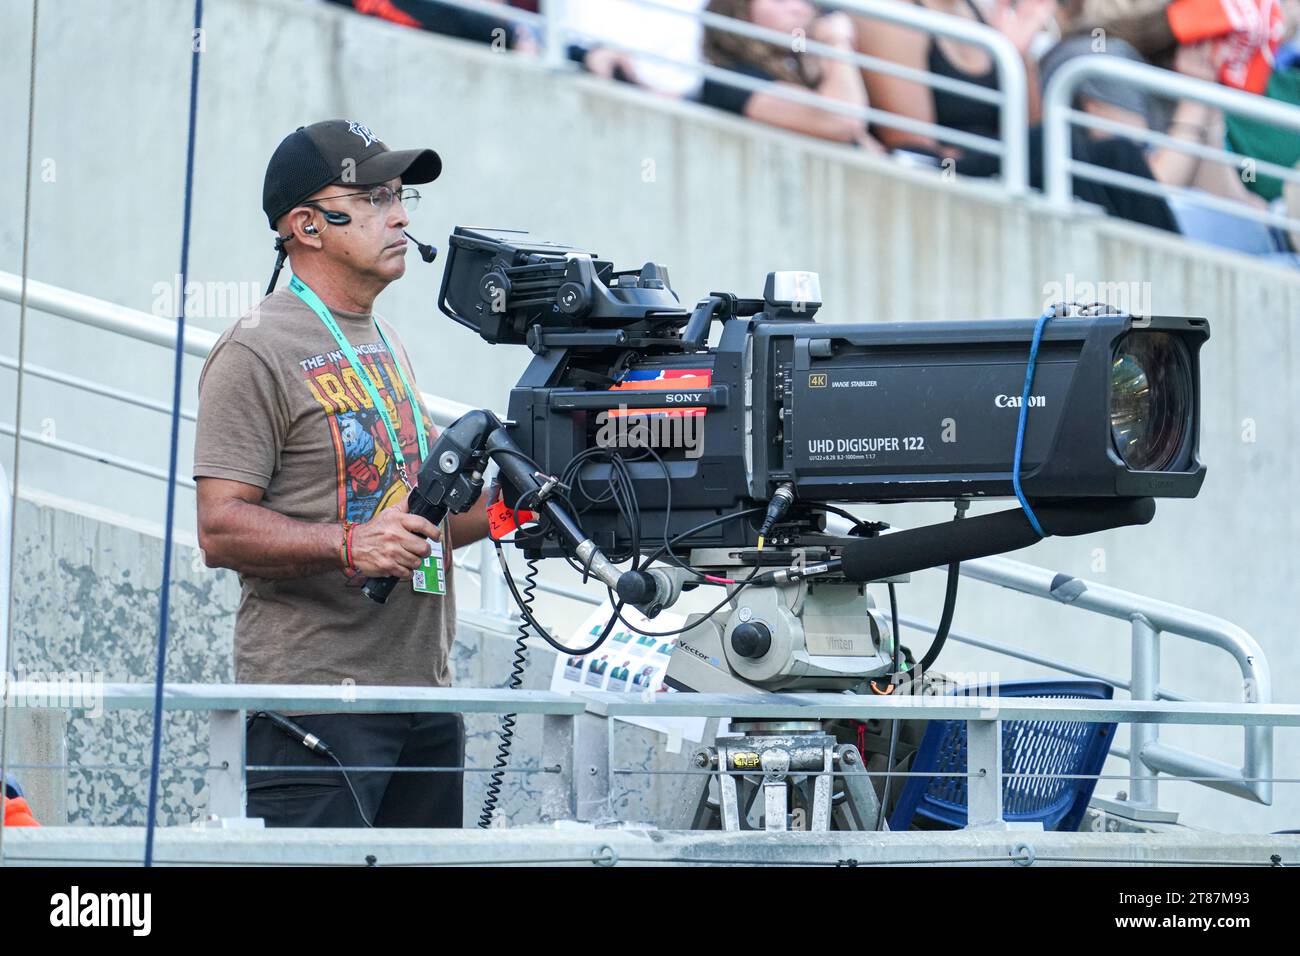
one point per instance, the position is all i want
(314, 303)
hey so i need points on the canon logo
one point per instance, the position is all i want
(1013, 401)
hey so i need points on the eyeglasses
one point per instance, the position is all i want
(381, 197)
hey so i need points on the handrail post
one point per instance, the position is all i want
(1013, 117)
(593, 741)
(554, 36)
(226, 761)
(1143, 789)
(984, 763)
(559, 791)
(492, 583)
(1058, 182)
(8, 514)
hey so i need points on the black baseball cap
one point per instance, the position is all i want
(337, 151)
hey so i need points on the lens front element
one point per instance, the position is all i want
(1151, 400)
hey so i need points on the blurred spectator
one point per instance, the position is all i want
(1245, 35)
(1077, 14)
(16, 811)
(1192, 121)
(1116, 153)
(787, 65)
(1263, 140)
(1020, 23)
(654, 36)
(438, 17)
(1288, 54)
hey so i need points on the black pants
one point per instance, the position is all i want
(321, 798)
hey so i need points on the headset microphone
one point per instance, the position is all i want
(427, 253)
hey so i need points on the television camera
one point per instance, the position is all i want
(715, 446)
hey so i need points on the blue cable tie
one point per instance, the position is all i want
(1048, 314)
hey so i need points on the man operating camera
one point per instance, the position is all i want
(310, 433)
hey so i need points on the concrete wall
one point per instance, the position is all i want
(632, 177)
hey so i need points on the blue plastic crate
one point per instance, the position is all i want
(1028, 746)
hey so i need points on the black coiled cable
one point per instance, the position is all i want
(508, 720)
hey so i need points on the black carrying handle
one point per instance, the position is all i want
(930, 546)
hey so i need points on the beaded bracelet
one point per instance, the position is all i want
(345, 546)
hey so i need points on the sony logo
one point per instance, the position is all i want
(684, 397)
(1013, 401)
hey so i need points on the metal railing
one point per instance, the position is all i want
(1011, 97)
(556, 32)
(1060, 168)
(154, 330)
(1148, 618)
(7, 504)
(568, 743)
(143, 327)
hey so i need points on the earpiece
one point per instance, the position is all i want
(309, 228)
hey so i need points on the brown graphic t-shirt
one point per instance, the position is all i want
(280, 407)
